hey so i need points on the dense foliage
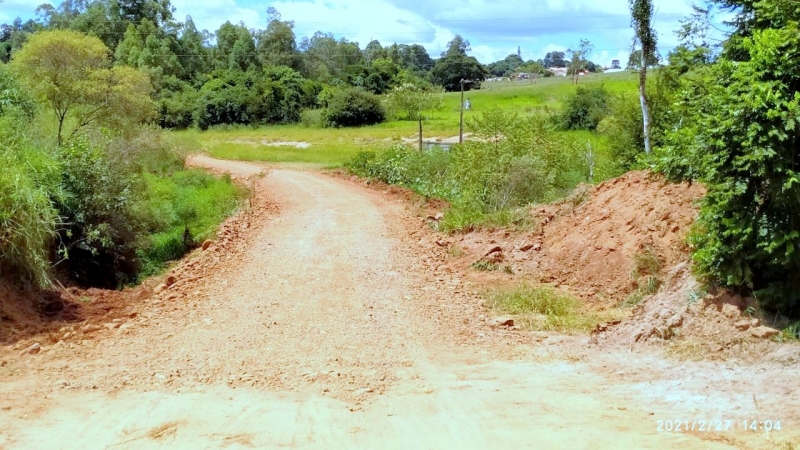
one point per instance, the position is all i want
(353, 107)
(88, 192)
(515, 162)
(584, 109)
(739, 137)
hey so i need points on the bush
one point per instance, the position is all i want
(513, 162)
(739, 136)
(101, 221)
(352, 108)
(584, 109)
(311, 118)
(623, 124)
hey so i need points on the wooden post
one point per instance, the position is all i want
(461, 121)
(420, 132)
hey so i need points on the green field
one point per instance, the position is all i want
(333, 147)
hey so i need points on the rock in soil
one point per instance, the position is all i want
(32, 350)
(503, 322)
(763, 332)
(207, 243)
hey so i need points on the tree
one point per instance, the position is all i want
(554, 59)
(635, 61)
(505, 66)
(374, 50)
(450, 70)
(277, 45)
(645, 35)
(579, 58)
(739, 136)
(193, 54)
(413, 100)
(455, 65)
(457, 46)
(236, 48)
(71, 73)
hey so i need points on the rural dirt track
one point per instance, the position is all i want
(329, 331)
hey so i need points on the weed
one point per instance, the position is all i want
(484, 265)
(85, 299)
(644, 276)
(686, 350)
(508, 269)
(791, 332)
(544, 308)
(645, 263)
(455, 251)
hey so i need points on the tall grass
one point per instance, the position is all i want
(188, 205)
(489, 181)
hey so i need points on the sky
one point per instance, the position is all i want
(494, 28)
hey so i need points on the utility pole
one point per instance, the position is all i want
(461, 121)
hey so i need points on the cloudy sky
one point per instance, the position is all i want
(495, 28)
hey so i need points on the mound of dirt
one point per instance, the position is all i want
(590, 249)
(593, 248)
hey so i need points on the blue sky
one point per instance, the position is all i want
(494, 28)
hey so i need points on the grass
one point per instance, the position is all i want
(686, 350)
(455, 251)
(333, 147)
(187, 199)
(644, 275)
(547, 309)
(485, 266)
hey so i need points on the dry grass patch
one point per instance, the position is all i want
(544, 308)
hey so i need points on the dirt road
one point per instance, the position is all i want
(329, 330)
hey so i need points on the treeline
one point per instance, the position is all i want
(236, 74)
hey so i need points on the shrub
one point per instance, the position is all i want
(101, 222)
(513, 162)
(352, 108)
(745, 152)
(584, 109)
(623, 124)
(311, 118)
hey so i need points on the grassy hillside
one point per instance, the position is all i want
(332, 147)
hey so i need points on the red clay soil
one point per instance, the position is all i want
(593, 249)
(590, 249)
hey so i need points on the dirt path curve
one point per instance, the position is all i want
(325, 332)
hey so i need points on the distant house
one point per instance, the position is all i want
(558, 71)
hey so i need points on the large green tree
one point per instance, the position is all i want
(277, 45)
(455, 65)
(71, 73)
